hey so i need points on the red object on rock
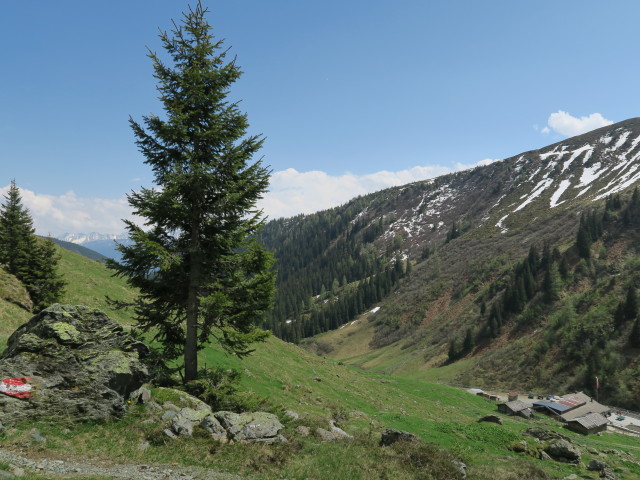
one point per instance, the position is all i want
(16, 387)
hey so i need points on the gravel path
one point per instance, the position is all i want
(74, 469)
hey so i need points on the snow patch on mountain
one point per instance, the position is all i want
(589, 174)
(559, 154)
(633, 146)
(537, 191)
(621, 140)
(564, 184)
(431, 205)
(500, 225)
(620, 183)
(576, 154)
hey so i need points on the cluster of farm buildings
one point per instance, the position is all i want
(578, 411)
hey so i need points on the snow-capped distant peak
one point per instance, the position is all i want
(82, 238)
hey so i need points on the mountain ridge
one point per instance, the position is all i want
(105, 244)
(82, 238)
(460, 239)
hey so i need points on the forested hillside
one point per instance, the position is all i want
(508, 274)
(336, 272)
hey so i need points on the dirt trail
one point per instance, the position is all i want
(78, 469)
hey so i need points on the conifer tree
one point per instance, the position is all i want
(47, 285)
(563, 269)
(631, 304)
(469, 341)
(583, 240)
(634, 337)
(530, 286)
(498, 316)
(551, 284)
(533, 259)
(200, 272)
(453, 233)
(492, 327)
(32, 261)
(619, 315)
(452, 355)
(17, 236)
(546, 259)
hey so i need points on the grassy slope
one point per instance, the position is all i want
(89, 281)
(318, 389)
(529, 355)
(364, 404)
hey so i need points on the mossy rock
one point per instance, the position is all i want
(85, 365)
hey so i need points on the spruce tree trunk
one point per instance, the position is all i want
(191, 340)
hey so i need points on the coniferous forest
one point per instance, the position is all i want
(333, 276)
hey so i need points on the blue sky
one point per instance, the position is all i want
(351, 96)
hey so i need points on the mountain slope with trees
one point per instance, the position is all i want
(491, 257)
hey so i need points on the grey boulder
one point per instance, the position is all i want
(391, 436)
(250, 427)
(81, 364)
(563, 451)
(491, 419)
(211, 425)
(182, 423)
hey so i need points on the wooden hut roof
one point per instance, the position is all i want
(590, 420)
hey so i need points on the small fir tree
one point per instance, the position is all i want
(533, 259)
(469, 341)
(583, 241)
(563, 269)
(634, 337)
(552, 283)
(17, 236)
(631, 304)
(47, 284)
(452, 355)
(34, 262)
(619, 315)
(635, 198)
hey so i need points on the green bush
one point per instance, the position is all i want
(219, 388)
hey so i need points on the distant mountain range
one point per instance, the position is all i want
(84, 238)
(103, 243)
(84, 251)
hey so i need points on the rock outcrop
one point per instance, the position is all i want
(391, 436)
(192, 413)
(563, 451)
(81, 364)
(250, 427)
(491, 419)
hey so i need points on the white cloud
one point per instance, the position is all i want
(291, 192)
(55, 215)
(569, 126)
